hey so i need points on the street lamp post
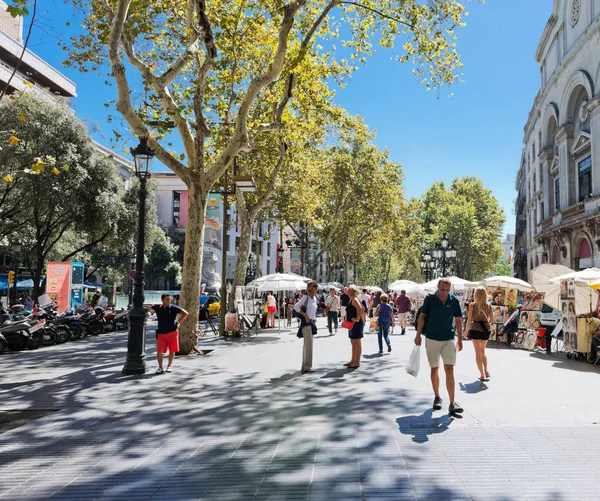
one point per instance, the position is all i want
(244, 184)
(427, 265)
(444, 254)
(130, 300)
(280, 251)
(135, 362)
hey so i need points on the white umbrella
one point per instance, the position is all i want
(372, 289)
(511, 282)
(587, 276)
(456, 282)
(541, 279)
(399, 285)
(419, 291)
(585, 297)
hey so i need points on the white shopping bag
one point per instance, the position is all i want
(412, 366)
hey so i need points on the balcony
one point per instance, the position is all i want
(571, 215)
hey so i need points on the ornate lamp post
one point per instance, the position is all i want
(427, 265)
(444, 254)
(280, 251)
(135, 362)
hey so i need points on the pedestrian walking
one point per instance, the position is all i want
(344, 302)
(167, 338)
(307, 308)
(479, 321)
(364, 300)
(332, 306)
(288, 311)
(355, 314)
(386, 320)
(271, 308)
(442, 316)
(403, 305)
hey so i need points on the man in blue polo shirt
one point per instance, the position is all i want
(443, 316)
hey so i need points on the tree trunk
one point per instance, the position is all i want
(192, 266)
(243, 251)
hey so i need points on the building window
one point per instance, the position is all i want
(557, 195)
(237, 244)
(268, 267)
(176, 207)
(260, 230)
(268, 249)
(585, 179)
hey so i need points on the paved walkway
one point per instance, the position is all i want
(243, 424)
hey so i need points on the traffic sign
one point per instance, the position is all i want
(132, 274)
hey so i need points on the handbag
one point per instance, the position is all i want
(348, 324)
(299, 315)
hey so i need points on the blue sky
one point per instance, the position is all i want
(478, 131)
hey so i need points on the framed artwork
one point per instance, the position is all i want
(530, 340)
(567, 289)
(493, 332)
(512, 296)
(533, 301)
(519, 338)
(499, 314)
(499, 296)
(530, 320)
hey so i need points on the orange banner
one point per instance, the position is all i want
(58, 284)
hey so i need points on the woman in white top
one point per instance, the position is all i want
(271, 308)
(307, 307)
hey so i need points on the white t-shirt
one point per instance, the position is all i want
(311, 306)
(364, 297)
(333, 302)
(270, 300)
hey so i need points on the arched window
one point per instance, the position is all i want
(585, 254)
(555, 256)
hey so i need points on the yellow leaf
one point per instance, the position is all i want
(22, 116)
(55, 171)
(8, 178)
(12, 140)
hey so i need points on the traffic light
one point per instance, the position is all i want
(11, 277)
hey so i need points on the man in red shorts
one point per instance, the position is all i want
(167, 331)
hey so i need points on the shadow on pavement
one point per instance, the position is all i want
(475, 387)
(423, 426)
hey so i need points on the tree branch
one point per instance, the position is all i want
(381, 14)
(88, 245)
(123, 104)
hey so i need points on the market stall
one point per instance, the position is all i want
(577, 303)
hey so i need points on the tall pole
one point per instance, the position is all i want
(224, 244)
(135, 363)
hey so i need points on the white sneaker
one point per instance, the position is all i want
(168, 369)
(159, 370)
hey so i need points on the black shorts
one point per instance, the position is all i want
(479, 335)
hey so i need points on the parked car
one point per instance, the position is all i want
(550, 317)
(209, 304)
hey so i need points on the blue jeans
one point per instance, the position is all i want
(384, 332)
(332, 317)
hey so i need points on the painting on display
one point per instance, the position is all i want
(512, 296)
(519, 338)
(530, 320)
(493, 332)
(530, 341)
(567, 289)
(498, 296)
(569, 321)
(533, 301)
(499, 314)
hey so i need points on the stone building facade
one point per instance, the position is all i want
(558, 183)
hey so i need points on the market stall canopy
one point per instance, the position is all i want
(587, 276)
(419, 291)
(457, 283)
(586, 297)
(371, 289)
(502, 281)
(399, 285)
(541, 279)
(280, 282)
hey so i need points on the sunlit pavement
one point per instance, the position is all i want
(243, 423)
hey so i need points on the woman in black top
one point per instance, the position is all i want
(354, 313)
